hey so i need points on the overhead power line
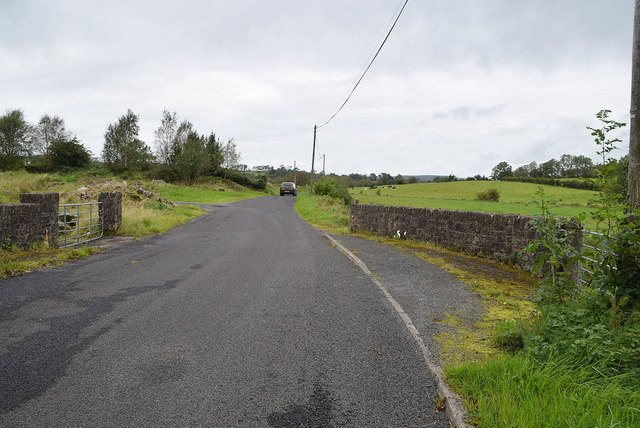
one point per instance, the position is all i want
(368, 66)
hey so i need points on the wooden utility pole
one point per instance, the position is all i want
(634, 136)
(313, 159)
(295, 174)
(323, 163)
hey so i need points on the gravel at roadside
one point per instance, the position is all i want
(425, 292)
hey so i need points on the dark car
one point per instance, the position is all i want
(288, 187)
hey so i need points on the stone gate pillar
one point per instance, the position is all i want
(111, 210)
(48, 203)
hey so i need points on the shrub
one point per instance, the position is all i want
(491, 195)
(332, 188)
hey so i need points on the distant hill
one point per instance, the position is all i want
(424, 178)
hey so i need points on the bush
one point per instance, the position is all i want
(491, 195)
(588, 332)
(332, 188)
(259, 183)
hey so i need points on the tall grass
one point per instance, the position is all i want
(515, 391)
(323, 212)
(149, 217)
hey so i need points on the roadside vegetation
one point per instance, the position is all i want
(141, 216)
(575, 361)
(322, 211)
(547, 352)
(17, 261)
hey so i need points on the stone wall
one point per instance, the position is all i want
(497, 235)
(21, 224)
(111, 210)
(35, 220)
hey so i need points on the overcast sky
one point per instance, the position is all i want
(460, 85)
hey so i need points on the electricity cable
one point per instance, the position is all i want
(368, 66)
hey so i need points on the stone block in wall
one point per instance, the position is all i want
(49, 204)
(111, 210)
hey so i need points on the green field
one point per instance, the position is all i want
(515, 198)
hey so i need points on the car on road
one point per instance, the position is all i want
(288, 187)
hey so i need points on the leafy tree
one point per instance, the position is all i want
(399, 179)
(123, 151)
(502, 170)
(191, 160)
(231, 155)
(550, 169)
(48, 130)
(412, 180)
(385, 179)
(67, 153)
(165, 136)
(583, 167)
(213, 149)
(14, 139)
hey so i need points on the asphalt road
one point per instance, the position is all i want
(244, 317)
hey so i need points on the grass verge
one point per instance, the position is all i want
(16, 262)
(511, 391)
(148, 217)
(323, 212)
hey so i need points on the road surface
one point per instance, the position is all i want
(245, 317)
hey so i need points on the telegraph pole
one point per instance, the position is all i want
(323, 162)
(295, 174)
(313, 159)
(634, 136)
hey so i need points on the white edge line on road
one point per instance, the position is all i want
(454, 408)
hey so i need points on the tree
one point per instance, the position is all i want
(123, 151)
(165, 136)
(213, 148)
(399, 179)
(48, 130)
(14, 139)
(192, 159)
(412, 180)
(385, 179)
(550, 169)
(67, 153)
(502, 170)
(583, 166)
(231, 155)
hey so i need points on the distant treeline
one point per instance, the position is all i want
(585, 184)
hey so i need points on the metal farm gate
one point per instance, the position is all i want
(79, 223)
